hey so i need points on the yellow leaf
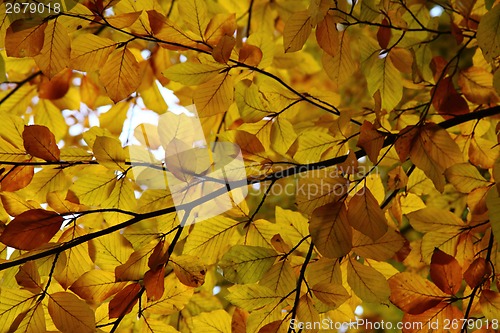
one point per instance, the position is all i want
(49, 115)
(90, 52)
(297, 30)
(434, 219)
(384, 77)
(95, 186)
(483, 152)
(251, 296)
(477, 85)
(78, 259)
(280, 278)
(45, 181)
(307, 312)
(311, 145)
(96, 286)
(33, 321)
(433, 152)
(218, 321)
(111, 251)
(195, 14)
(381, 249)
(109, 152)
(246, 264)
(293, 227)
(331, 294)
(122, 197)
(113, 118)
(192, 73)
(136, 265)
(211, 238)
(214, 96)
(369, 284)
(282, 135)
(465, 177)
(175, 297)
(190, 270)
(330, 230)
(13, 302)
(490, 304)
(488, 34)
(340, 66)
(319, 188)
(120, 75)
(365, 215)
(55, 53)
(71, 314)
(493, 204)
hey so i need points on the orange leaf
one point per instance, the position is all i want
(17, 178)
(153, 282)
(222, 52)
(250, 55)
(31, 229)
(24, 41)
(477, 270)
(327, 35)
(413, 294)
(446, 272)
(57, 87)
(370, 140)
(124, 301)
(40, 142)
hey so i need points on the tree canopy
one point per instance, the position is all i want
(336, 160)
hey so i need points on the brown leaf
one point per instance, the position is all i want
(159, 256)
(28, 276)
(124, 301)
(384, 34)
(445, 272)
(405, 141)
(370, 140)
(477, 271)
(31, 229)
(447, 101)
(222, 52)
(40, 142)
(153, 282)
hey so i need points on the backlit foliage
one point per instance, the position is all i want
(369, 132)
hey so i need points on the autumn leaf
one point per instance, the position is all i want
(365, 215)
(297, 30)
(120, 74)
(124, 301)
(40, 142)
(31, 229)
(369, 284)
(445, 272)
(488, 34)
(330, 230)
(70, 313)
(413, 294)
